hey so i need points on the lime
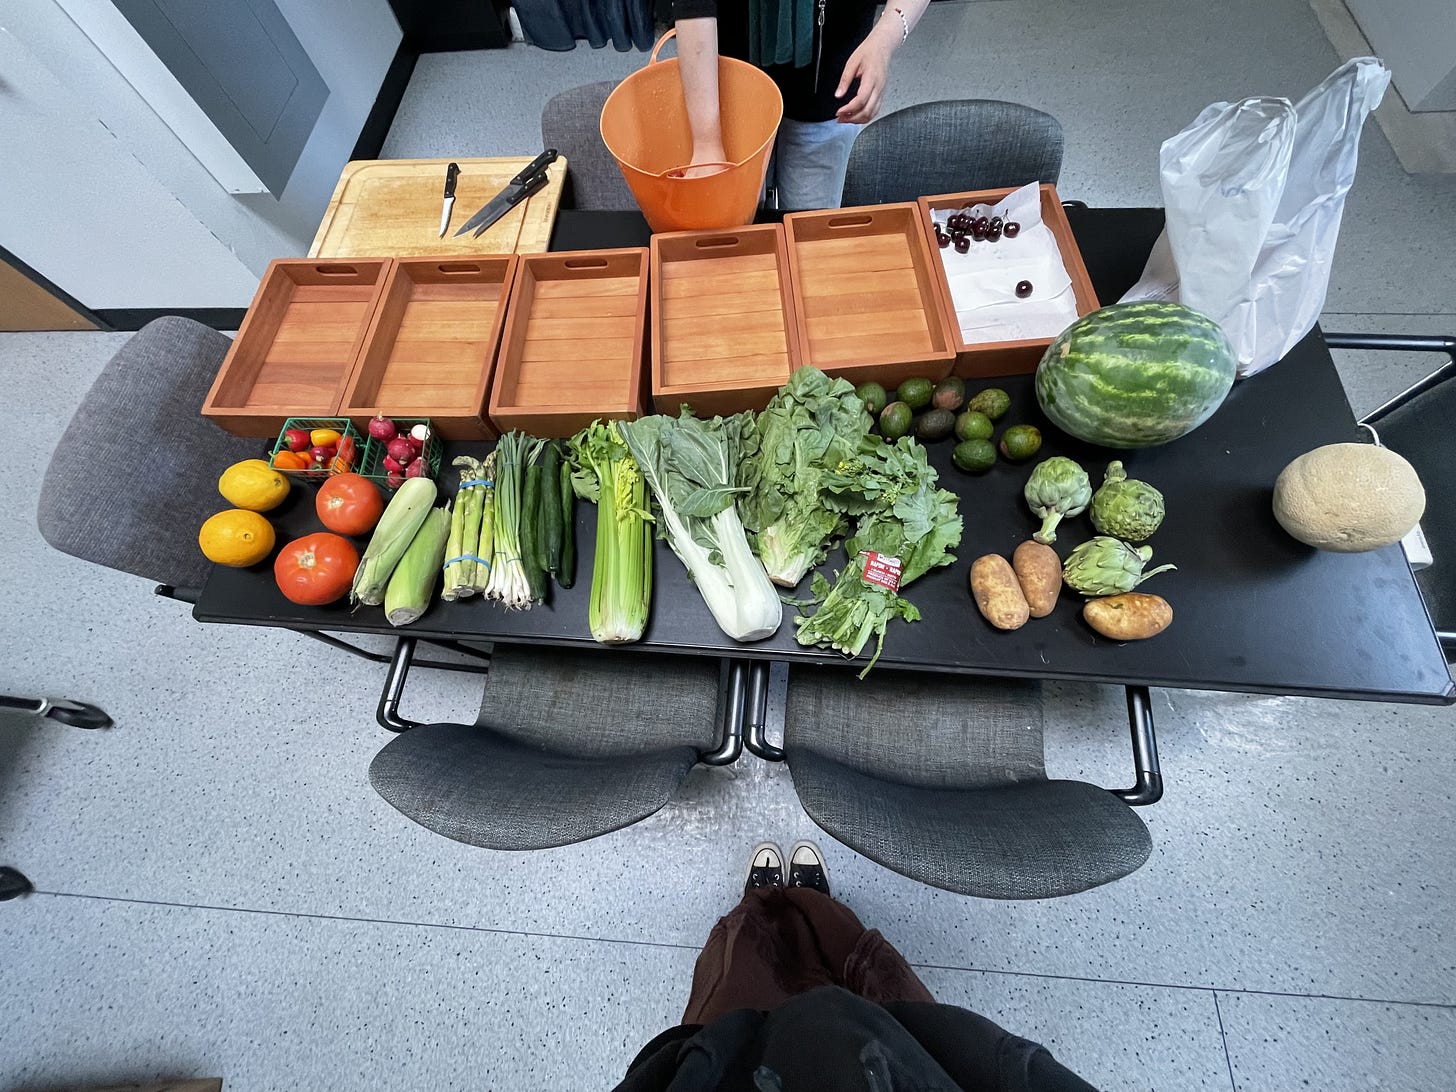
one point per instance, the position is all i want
(993, 402)
(934, 425)
(950, 394)
(895, 420)
(873, 396)
(1020, 442)
(973, 425)
(916, 393)
(974, 455)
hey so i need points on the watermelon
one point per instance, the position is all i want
(1135, 374)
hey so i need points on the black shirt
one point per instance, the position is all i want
(846, 24)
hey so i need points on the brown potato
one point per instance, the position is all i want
(997, 594)
(1039, 571)
(1131, 616)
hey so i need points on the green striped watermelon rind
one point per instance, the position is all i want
(1136, 374)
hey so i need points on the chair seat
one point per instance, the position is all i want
(1033, 840)
(471, 784)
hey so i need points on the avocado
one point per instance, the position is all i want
(916, 393)
(873, 396)
(934, 425)
(950, 394)
(895, 421)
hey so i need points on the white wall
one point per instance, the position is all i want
(1417, 39)
(350, 43)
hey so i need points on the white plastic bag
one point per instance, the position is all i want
(1254, 193)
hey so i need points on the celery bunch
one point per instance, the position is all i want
(604, 471)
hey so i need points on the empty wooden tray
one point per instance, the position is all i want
(724, 337)
(864, 290)
(432, 344)
(297, 346)
(572, 349)
(988, 358)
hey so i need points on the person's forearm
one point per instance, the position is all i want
(697, 51)
(891, 29)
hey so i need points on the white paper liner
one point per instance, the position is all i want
(983, 280)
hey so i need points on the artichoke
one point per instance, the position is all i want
(1125, 507)
(1057, 488)
(1105, 566)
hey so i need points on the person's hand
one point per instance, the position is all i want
(871, 64)
(704, 154)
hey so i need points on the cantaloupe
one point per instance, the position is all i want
(1349, 498)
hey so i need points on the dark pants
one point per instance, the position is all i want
(779, 942)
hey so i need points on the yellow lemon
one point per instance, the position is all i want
(236, 537)
(254, 485)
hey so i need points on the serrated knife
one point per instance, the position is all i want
(531, 179)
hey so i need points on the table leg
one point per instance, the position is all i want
(730, 740)
(1148, 788)
(400, 662)
(755, 736)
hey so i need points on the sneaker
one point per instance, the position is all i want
(807, 868)
(765, 867)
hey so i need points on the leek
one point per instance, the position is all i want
(604, 471)
(407, 509)
(413, 580)
(508, 583)
(690, 466)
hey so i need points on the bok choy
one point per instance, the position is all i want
(691, 467)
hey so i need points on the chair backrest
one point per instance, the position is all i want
(571, 123)
(919, 731)
(136, 472)
(947, 147)
(591, 705)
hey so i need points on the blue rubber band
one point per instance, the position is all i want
(476, 481)
(466, 557)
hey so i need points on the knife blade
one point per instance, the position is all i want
(452, 172)
(530, 179)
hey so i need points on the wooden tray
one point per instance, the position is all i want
(391, 207)
(864, 291)
(297, 346)
(431, 344)
(572, 349)
(724, 333)
(988, 358)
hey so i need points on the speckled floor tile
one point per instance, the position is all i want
(1113, 1036)
(1277, 1043)
(98, 992)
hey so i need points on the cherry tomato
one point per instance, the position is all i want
(349, 504)
(316, 569)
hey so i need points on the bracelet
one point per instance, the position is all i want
(904, 27)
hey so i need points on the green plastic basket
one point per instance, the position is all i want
(373, 464)
(341, 425)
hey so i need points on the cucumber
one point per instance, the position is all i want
(530, 532)
(566, 576)
(550, 511)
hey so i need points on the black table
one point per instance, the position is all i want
(1255, 610)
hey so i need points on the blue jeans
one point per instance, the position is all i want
(809, 161)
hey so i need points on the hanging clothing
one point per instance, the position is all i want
(558, 24)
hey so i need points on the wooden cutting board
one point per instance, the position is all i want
(391, 208)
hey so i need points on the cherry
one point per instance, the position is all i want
(1023, 289)
(978, 230)
(993, 233)
(1011, 229)
(997, 223)
(962, 244)
(942, 239)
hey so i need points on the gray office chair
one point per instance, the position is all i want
(568, 746)
(136, 472)
(571, 123)
(944, 780)
(1417, 424)
(946, 147)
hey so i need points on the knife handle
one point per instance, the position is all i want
(452, 172)
(535, 167)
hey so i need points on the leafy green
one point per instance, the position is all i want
(691, 467)
(903, 514)
(808, 429)
(603, 470)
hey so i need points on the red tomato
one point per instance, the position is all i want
(349, 504)
(316, 569)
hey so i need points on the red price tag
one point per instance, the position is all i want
(882, 570)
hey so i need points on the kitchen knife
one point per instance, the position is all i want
(452, 172)
(531, 178)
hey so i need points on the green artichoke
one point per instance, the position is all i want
(1125, 507)
(1105, 566)
(1057, 488)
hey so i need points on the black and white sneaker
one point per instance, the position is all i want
(807, 868)
(765, 867)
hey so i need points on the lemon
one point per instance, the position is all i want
(254, 485)
(236, 537)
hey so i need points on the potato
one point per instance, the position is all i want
(1039, 571)
(997, 594)
(1131, 616)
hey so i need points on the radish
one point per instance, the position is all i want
(401, 451)
(393, 467)
(393, 480)
(297, 439)
(416, 469)
(383, 429)
(419, 436)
